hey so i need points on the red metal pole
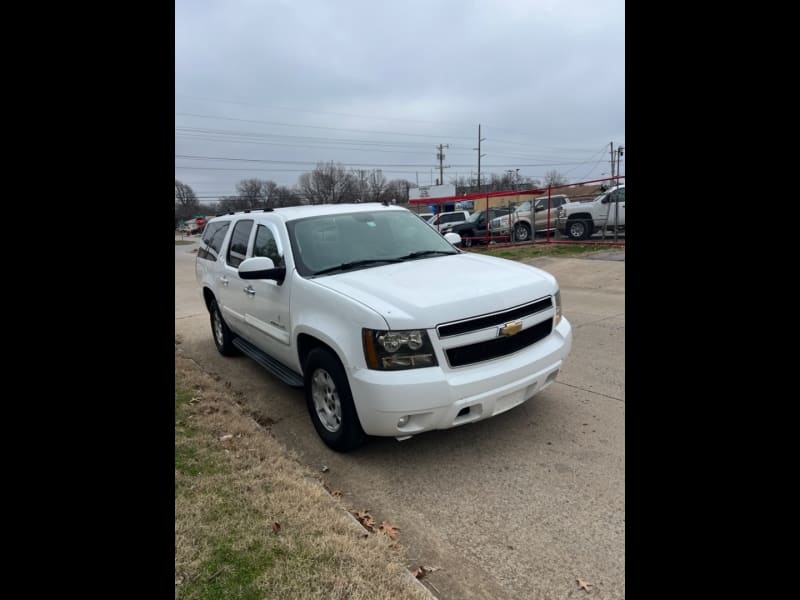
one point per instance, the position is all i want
(486, 233)
(547, 231)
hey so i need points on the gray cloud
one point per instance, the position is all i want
(544, 78)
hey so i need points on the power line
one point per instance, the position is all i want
(360, 164)
(319, 126)
(396, 119)
(321, 112)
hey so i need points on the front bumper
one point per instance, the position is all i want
(442, 398)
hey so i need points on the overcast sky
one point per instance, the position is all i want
(267, 88)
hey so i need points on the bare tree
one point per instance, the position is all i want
(377, 185)
(269, 192)
(283, 196)
(397, 190)
(186, 203)
(361, 183)
(252, 193)
(554, 178)
(229, 204)
(328, 183)
(529, 182)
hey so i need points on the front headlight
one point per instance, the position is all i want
(557, 318)
(562, 212)
(395, 350)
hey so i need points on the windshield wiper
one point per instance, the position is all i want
(357, 263)
(421, 253)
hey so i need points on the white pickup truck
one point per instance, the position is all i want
(579, 220)
(379, 317)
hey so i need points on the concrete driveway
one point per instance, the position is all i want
(518, 506)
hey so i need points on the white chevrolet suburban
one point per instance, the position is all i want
(390, 329)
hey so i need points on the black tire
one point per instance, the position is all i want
(522, 232)
(578, 229)
(223, 336)
(330, 401)
(467, 242)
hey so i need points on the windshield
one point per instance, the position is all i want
(360, 240)
(524, 207)
(473, 218)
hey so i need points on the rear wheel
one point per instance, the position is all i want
(330, 401)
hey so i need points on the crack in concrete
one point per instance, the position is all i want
(589, 391)
(598, 320)
(189, 316)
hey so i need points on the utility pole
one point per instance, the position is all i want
(612, 159)
(440, 156)
(480, 139)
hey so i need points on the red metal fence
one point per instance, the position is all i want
(601, 228)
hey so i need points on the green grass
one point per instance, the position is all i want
(183, 242)
(233, 573)
(228, 494)
(545, 249)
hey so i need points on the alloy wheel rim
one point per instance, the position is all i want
(326, 400)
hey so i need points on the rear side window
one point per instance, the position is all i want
(451, 218)
(212, 237)
(237, 249)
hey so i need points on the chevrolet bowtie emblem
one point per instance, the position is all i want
(511, 328)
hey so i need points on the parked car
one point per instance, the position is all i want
(530, 216)
(579, 220)
(452, 217)
(378, 318)
(473, 231)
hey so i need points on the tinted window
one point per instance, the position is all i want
(212, 238)
(237, 249)
(452, 217)
(265, 245)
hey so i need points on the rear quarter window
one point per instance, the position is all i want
(213, 236)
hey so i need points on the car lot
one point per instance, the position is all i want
(517, 506)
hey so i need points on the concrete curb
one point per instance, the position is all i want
(406, 577)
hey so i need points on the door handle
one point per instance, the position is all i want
(224, 280)
(249, 291)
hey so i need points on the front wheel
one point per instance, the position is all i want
(223, 337)
(330, 401)
(578, 230)
(521, 232)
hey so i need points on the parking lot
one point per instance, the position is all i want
(517, 506)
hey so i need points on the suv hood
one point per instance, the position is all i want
(426, 292)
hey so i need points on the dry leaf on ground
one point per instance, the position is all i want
(422, 570)
(365, 519)
(389, 530)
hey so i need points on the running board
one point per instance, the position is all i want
(281, 371)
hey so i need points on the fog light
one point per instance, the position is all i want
(403, 421)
